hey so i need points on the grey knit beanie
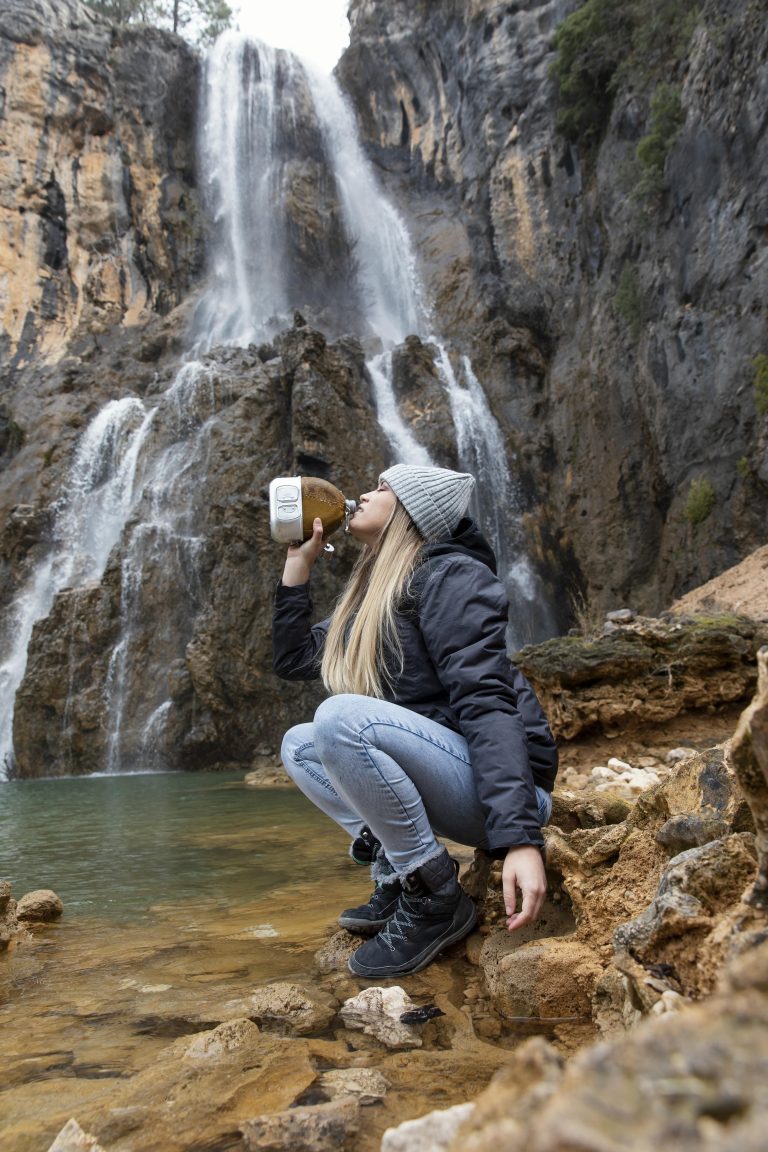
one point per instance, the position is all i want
(434, 498)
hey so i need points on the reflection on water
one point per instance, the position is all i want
(118, 846)
(180, 893)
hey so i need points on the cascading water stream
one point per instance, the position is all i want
(135, 480)
(481, 451)
(165, 542)
(382, 249)
(96, 501)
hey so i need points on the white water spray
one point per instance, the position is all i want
(382, 249)
(95, 503)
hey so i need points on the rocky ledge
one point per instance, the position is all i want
(652, 941)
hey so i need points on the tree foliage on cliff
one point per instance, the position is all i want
(605, 43)
(203, 19)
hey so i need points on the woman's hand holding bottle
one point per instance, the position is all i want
(301, 557)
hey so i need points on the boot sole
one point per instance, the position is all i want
(422, 961)
(363, 927)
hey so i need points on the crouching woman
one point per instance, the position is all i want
(429, 730)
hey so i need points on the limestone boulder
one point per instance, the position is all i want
(749, 756)
(72, 1138)
(39, 907)
(431, 1133)
(366, 1085)
(10, 927)
(672, 1082)
(333, 955)
(378, 1011)
(648, 671)
(297, 1008)
(311, 1128)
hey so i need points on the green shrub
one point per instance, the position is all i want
(744, 468)
(761, 384)
(605, 43)
(590, 44)
(628, 300)
(666, 119)
(701, 500)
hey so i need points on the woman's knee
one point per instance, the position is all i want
(331, 720)
(295, 740)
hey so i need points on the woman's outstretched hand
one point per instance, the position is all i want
(523, 869)
(301, 557)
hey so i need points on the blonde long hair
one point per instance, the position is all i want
(363, 632)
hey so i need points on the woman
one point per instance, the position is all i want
(429, 729)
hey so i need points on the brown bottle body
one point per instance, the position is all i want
(323, 499)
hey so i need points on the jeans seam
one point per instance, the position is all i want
(413, 732)
(308, 771)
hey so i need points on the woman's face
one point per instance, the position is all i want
(373, 512)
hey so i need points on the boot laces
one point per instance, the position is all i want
(404, 919)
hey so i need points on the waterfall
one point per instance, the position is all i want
(497, 500)
(382, 249)
(270, 128)
(165, 543)
(402, 441)
(95, 502)
(242, 186)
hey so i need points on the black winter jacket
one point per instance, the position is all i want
(452, 627)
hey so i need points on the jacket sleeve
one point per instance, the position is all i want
(463, 619)
(297, 644)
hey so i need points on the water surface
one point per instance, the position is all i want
(181, 893)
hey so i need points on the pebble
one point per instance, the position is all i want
(488, 1028)
(621, 616)
(633, 780)
(675, 755)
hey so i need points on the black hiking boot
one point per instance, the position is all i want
(364, 847)
(433, 912)
(368, 919)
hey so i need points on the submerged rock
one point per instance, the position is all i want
(72, 1138)
(295, 1007)
(378, 1012)
(222, 1041)
(40, 906)
(314, 1128)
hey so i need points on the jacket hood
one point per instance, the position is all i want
(467, 540)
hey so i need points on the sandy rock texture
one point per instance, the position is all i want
(685, 976)
(742, 589)
(645, 671)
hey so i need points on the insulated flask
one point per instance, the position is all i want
(295, 501)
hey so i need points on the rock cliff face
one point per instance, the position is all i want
(615, 335)
(609, 410)
(167, 660)
(98, 211)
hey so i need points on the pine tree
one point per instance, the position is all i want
(204, 19)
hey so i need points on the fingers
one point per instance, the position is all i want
(523, 869)
(301, 557)
(310, 549)
(531, 907)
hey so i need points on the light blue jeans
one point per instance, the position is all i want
(368, 762)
